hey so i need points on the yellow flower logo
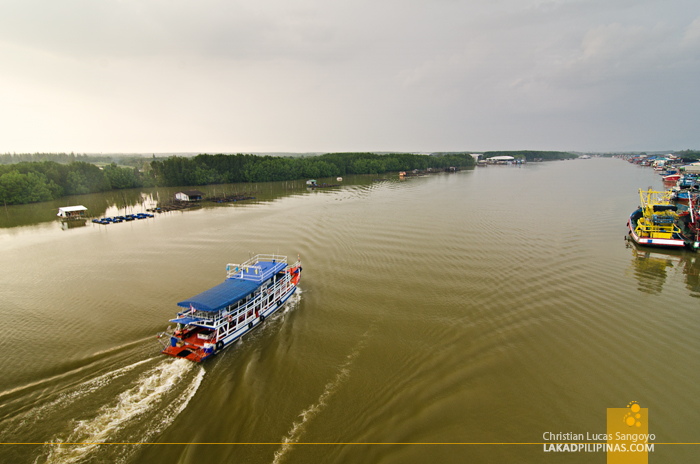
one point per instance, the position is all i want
(632, 417)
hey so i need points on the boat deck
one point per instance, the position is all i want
(192, 338)
(185, 352)
(199, 342)
(190, 346)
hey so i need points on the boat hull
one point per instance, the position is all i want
(651, 242)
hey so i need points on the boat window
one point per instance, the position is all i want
(250, 313)
(241, 319)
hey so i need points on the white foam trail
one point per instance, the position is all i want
(298, 427)
(117, 348)
(55, 377)
(169, 414)
(176, 407)
(278, 317)
(292, 302)
(143, 397)
(76, 393)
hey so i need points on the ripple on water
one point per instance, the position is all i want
(501, 302)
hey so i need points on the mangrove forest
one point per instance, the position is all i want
(34, 181)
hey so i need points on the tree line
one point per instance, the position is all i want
(30, 182)
(33, 181)
(690, 154)
(224, 169)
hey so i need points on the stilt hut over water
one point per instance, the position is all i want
(72, 212)
(189, 195)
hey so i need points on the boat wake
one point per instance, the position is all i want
(299, 427)
(34, 415)
(149, 405)
(46, 381)
(292, 303)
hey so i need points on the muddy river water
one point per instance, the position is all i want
(485, 306)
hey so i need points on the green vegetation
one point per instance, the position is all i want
(28, 182)
(222, 169)
(693, 154)
(530, 155)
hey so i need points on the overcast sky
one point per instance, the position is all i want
(324, 75)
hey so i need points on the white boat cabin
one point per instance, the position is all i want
(189, 195)
(72, 212)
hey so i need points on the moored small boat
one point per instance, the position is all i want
(221, 315)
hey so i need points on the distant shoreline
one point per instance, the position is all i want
(44, 179)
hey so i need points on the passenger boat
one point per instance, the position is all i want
(654, 223)
(221, 315)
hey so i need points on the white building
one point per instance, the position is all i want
(189, 195)
(501, 160)
(70, 212)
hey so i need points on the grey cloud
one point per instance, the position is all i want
(313, 75)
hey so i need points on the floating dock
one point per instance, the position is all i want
(117, 219)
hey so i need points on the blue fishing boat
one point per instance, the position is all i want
(217, 317)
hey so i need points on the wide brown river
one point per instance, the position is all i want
(437, 317)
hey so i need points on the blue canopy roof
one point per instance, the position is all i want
(224, 294)
(186, 320)
(259, 272)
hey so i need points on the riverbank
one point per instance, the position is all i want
(141, 200)
(32, 182)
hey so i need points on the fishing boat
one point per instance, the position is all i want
(654, 223)
(687, 181)
(680, 195)
(689, 221)
(685, 186)
(221, 315)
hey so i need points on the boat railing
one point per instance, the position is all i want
(225, 322)
(252, 265)
(651, 197)
(213, 320)
(646, 229)
(292, 266)
(261, 303)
